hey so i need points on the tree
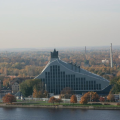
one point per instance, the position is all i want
(8, 98)
(39, 94)
(73, 99)
(110, 97)
(94, 96)
(89, 96)
(115, 85)
(83, 101)
(66, 93)
(118, 74)
(58, 100)
(52, 100)
(86, 61)
(28, 86)
(6, 82)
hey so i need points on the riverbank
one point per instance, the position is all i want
(90, 107)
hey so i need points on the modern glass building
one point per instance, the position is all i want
(58, 74)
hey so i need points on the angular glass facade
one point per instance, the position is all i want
(56, 80)
(58, 75)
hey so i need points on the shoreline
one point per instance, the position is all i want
(60, 106)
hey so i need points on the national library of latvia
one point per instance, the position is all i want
(58, 75)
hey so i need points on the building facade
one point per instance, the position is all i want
(58, 75)
(15, 87)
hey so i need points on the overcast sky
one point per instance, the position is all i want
(59, 23)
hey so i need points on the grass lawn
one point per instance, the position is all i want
(37, 103)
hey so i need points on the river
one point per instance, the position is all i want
(57, 114)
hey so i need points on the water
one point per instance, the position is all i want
(57, 114)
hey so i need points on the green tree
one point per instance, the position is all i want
(27, 86)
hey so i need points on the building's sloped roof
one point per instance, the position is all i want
(68, 67)
(82, 71)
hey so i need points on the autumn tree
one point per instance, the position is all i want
(52, 100)
(94, 96)
(83, 100)
(6, 82)
(73, 99)
(89, 96)
(39, 94)
(118, 74)
(8, 98)
(66, 93)
(110, 97)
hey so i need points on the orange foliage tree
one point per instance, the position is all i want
(52, 100)
(83, 101)
(89, 96)
(8, 98)
(6, 82)
(73, 99)
(110, 97)
(118, 74)
(39, 94)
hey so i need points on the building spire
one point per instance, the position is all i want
(111, 56)
(54, 54)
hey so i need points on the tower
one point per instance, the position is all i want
(54, 54)
(111, 57)
(85, 49)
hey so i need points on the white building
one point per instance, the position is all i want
(105, 61)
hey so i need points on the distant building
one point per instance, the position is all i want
(116, 96)
(105, 61)
(15, 87)
(86, 63)
(58, 75)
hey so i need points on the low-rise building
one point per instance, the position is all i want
(15, 87)
(105, 61)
